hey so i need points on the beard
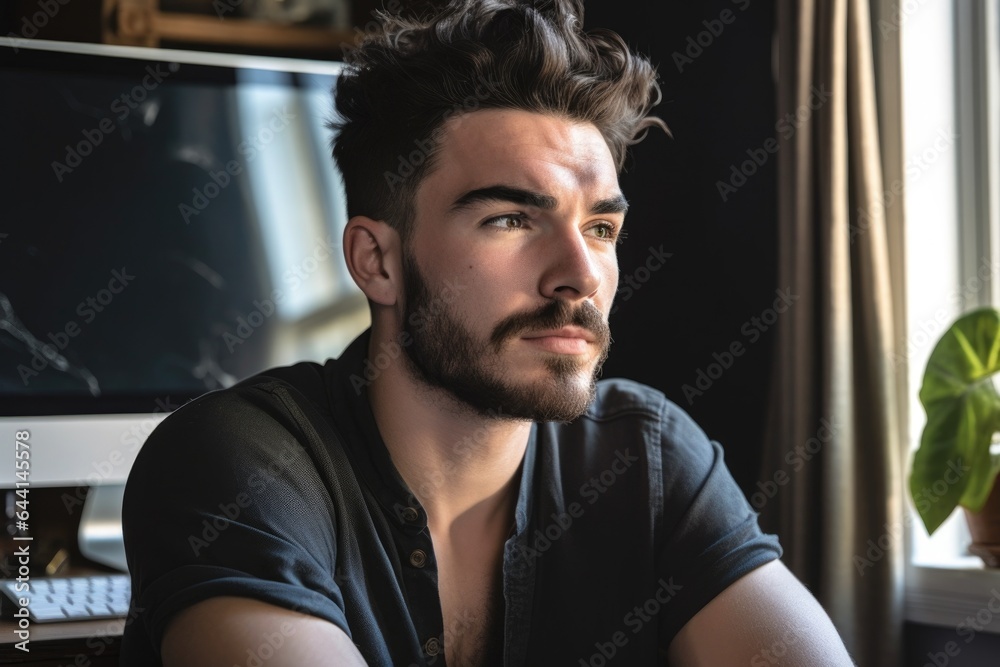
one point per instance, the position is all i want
(445, 354)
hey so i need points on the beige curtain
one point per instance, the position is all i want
(834, 439)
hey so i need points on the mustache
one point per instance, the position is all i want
(553, 315)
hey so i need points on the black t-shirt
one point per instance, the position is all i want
(281, 489)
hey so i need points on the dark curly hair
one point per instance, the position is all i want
(404, 81)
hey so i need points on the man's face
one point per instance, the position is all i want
(511, 269)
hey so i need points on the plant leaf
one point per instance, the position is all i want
(953, 465)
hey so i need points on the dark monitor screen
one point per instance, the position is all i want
(171, 224)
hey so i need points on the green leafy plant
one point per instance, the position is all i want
(953, 465)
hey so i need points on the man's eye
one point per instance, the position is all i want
(506, 222)
(607, 232)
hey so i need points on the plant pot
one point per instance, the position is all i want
(984, 526)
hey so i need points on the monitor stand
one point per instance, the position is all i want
(100, 534)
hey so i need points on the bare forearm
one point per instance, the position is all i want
(231, 630)
(766, 618)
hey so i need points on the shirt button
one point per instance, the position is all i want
(410, 514)
(418, 559)
(432, 646)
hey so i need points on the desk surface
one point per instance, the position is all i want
(91, 643)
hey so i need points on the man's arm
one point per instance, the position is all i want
(226, 630)
(765, 618)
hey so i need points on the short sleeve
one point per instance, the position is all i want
(224, 500)
(709, 536)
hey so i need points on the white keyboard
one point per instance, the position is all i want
(72, 598)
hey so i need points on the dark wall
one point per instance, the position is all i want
(719, 103)
(76, 21)
(928, 646)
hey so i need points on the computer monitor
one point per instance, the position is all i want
(171, 223)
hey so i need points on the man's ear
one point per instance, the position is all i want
(374, 258)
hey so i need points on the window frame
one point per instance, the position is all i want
(948, 593)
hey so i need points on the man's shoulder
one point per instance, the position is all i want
(626, 408)
(306, 377)
(266, 407)
(620, 397)
(303, 380)
(272, 421)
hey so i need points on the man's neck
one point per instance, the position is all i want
(462, 467)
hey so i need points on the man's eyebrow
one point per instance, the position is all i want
(507, 193)
(504, 193)
(616, 204)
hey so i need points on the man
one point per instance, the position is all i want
(457, 488)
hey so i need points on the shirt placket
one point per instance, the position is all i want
(420, 579)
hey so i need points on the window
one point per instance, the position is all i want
(951, 87)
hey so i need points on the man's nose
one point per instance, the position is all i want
(572, 269)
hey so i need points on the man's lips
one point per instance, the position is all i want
(567, 340)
